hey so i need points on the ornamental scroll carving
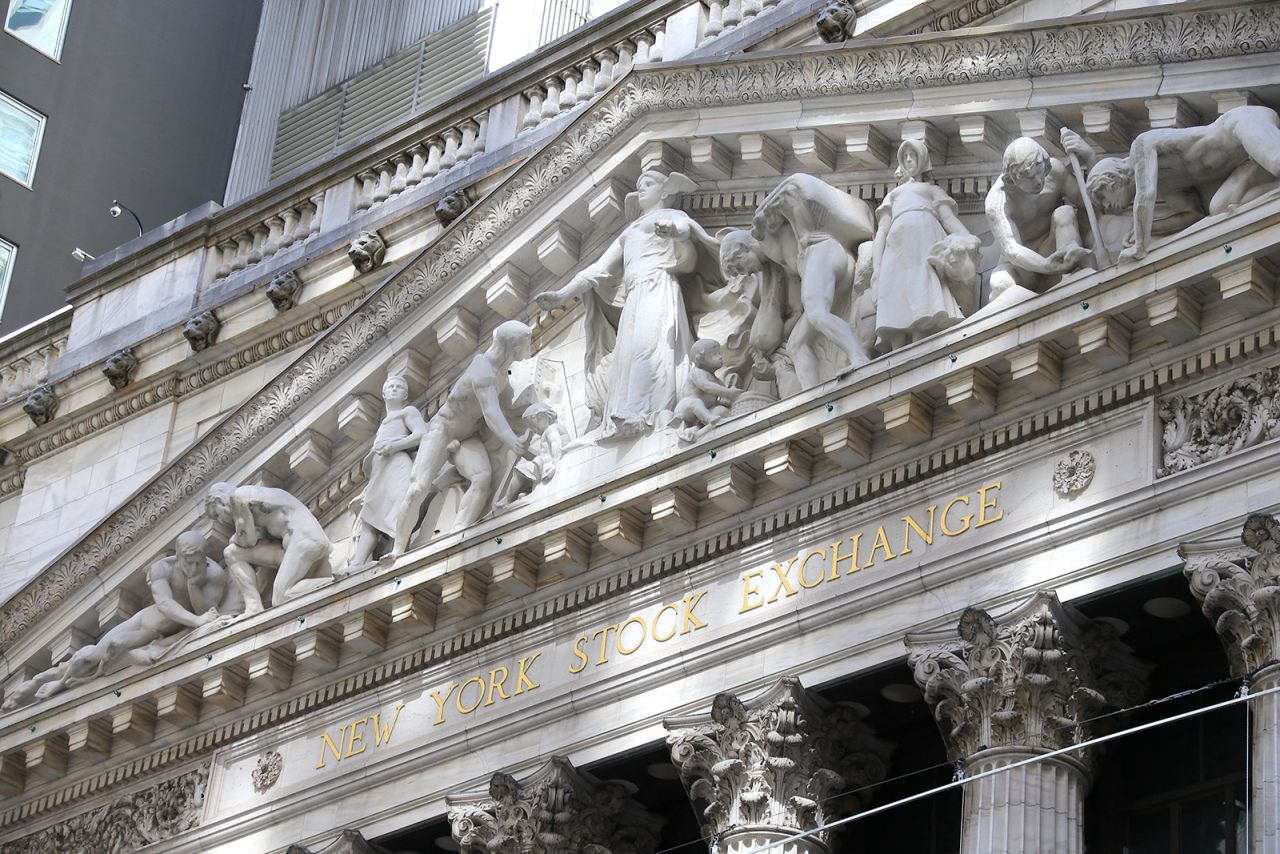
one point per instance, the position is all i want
(1221, 32)
(128, 823)
(1239, 593)
(1033, 679)
(559, 810)
(1204, 427)
(774, 760)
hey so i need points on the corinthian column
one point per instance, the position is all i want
(1238, 585)
(771, 768)
(556, 810)
(1011, 690)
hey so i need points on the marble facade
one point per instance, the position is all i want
(813, 352)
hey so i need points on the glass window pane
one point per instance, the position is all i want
(7, 253)
(39, 23)
(1203, 825)
(1149, 833)
(20, 130)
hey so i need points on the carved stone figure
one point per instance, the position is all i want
(120, 367)
(129, 823)
(1110, 188)
(704, 400)
(557, 809)
(769, 767)
(812, 230)
(389, 466)
(774, 296)
(912, 301)
(1231, 161)
(1031, 208)
(452, 205)
(202, 330)
(367, 251)
(639, 299)
(836, 21)
(273, 531)
(191, 597)
(473, 409)
(284, 290)
(41, 404)
(547, 438)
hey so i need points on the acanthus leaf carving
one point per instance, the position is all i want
(557, 810)
(1032, 679)
(1238, 589)
(1208, 426)
(774, 760)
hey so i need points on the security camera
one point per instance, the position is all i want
(81, 256)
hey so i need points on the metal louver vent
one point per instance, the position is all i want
(415, 76)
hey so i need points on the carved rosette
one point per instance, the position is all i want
(1200, 428)
(558, 810)
(1030, 680)
(128, 823)
(774, 761)
(1238, 587)
(1072, 476)
(267, 771)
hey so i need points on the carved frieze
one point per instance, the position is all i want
(774, 760)
(1219, 32)
(1032, 679)
(1203, 427)
(558, 810)
(1239, 592)
(129, 823)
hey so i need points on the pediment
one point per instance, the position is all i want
(733, 126)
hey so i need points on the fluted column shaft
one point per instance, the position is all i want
(1264, 803)
(1032, 808)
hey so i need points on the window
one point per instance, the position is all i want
(39, 23)
(7, 253)
(20, 130)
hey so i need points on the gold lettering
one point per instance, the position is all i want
(525, 664)
(383, 734)
(675, 618)
(836, 557)
(966, 518)
(750, 589)
(335, 749)
(644, 633)
(881, 542)
(984, 505)
(497, 684)
(356, 737)
(603, 634)
(440, 701)
(579, 654)
(691, 621)
(783, 582)
(913, 525)
(805, 560)
(479, 699)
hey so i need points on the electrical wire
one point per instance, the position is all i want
(1242, 696)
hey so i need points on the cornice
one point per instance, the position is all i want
(1094, 43)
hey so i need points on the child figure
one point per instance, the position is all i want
(704, 400)
(546, 438)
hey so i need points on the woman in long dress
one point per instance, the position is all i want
(911, 300)
(638, 299)
(389, 467)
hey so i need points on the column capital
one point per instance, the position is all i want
(558, 806)
(773, 761)
(1031, 679)
(1238, 587)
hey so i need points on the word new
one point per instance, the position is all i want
(353, 734)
